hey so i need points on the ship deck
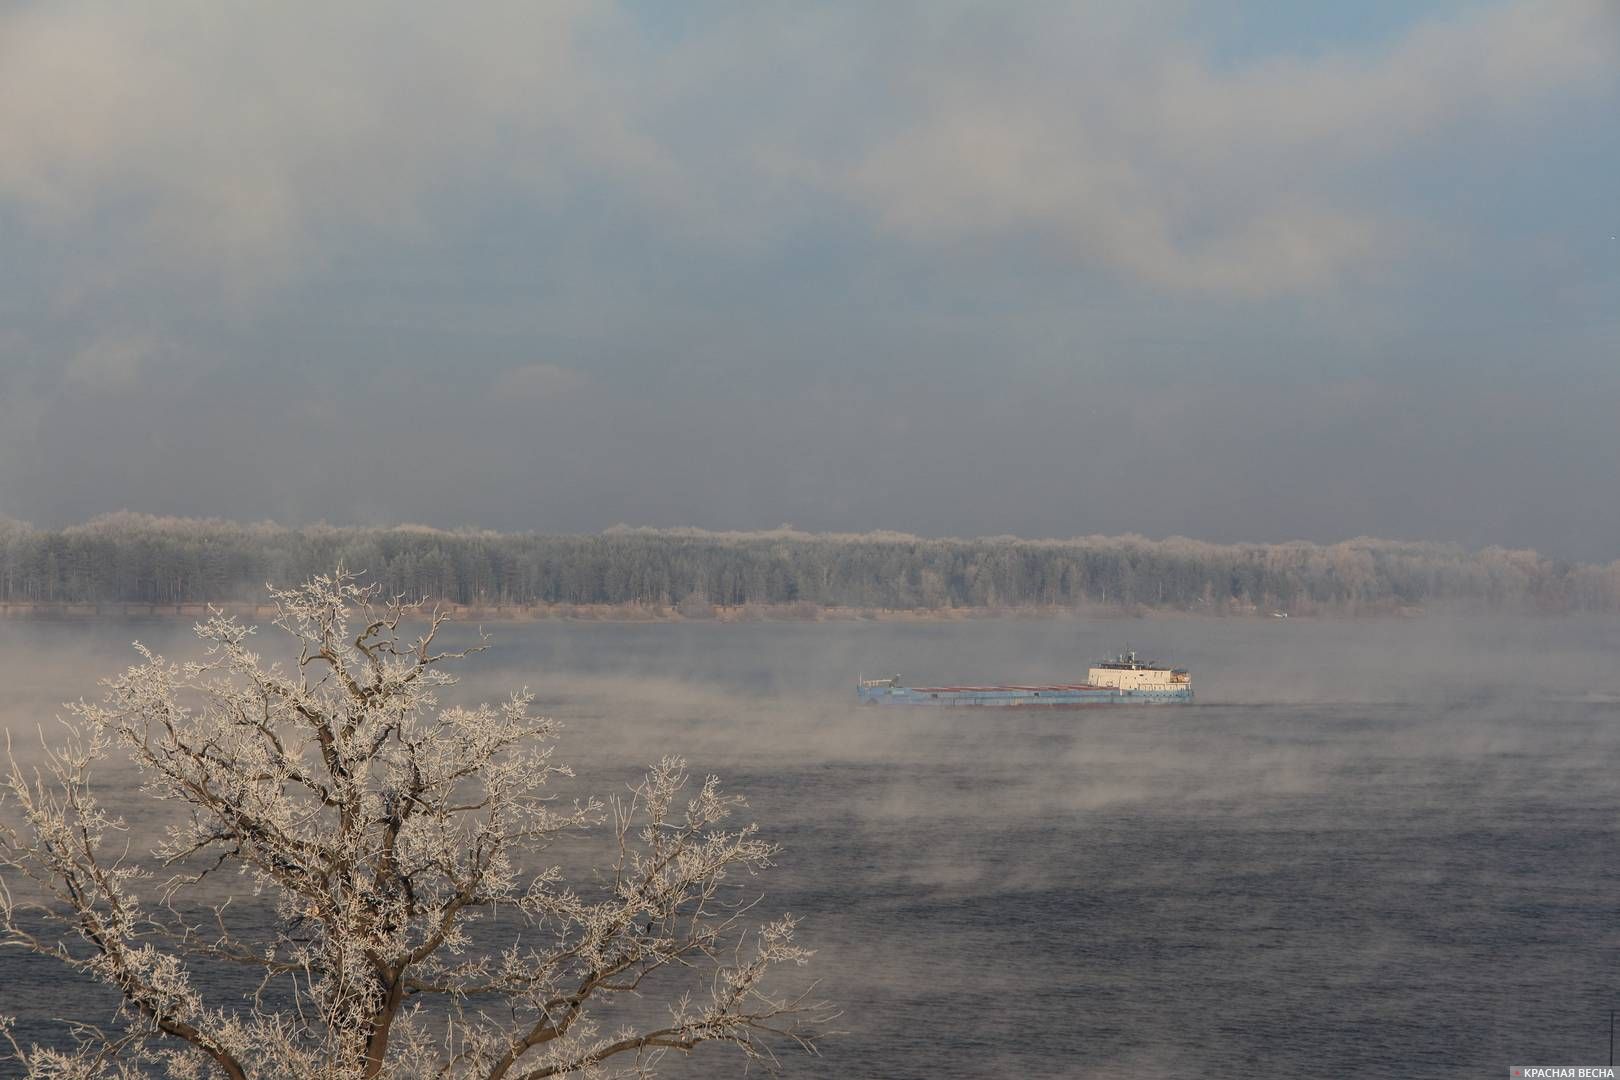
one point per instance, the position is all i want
(1005, 688)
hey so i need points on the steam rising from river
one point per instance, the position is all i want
(1369, 841)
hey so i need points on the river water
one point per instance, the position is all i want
(1373, 848)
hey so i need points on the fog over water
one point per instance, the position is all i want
(1379, 847)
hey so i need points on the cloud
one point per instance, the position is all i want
(893, 265)
(230, 138)
(112, 362)
(1502, 60)
(250, 145)
(1154, 163)
(536, 382)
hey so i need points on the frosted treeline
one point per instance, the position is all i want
(132, 558)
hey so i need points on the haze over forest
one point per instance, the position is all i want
(138, 559)
(1246, 271)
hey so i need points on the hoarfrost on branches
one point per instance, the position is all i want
(386, 834)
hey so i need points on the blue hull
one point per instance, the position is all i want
(1019, 697)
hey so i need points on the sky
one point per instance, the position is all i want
(1236, 271)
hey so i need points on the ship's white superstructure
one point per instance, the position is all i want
(1129, 673)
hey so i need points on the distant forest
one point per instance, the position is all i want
(138, 559)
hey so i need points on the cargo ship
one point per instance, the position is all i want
(1124, 680)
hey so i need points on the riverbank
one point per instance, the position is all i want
(688, 612)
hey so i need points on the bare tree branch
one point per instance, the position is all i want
(382, 832)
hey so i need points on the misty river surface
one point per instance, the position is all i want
(1373, 848)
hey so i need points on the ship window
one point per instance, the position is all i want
(933, 695)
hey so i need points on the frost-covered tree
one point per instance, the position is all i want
(392, 903)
